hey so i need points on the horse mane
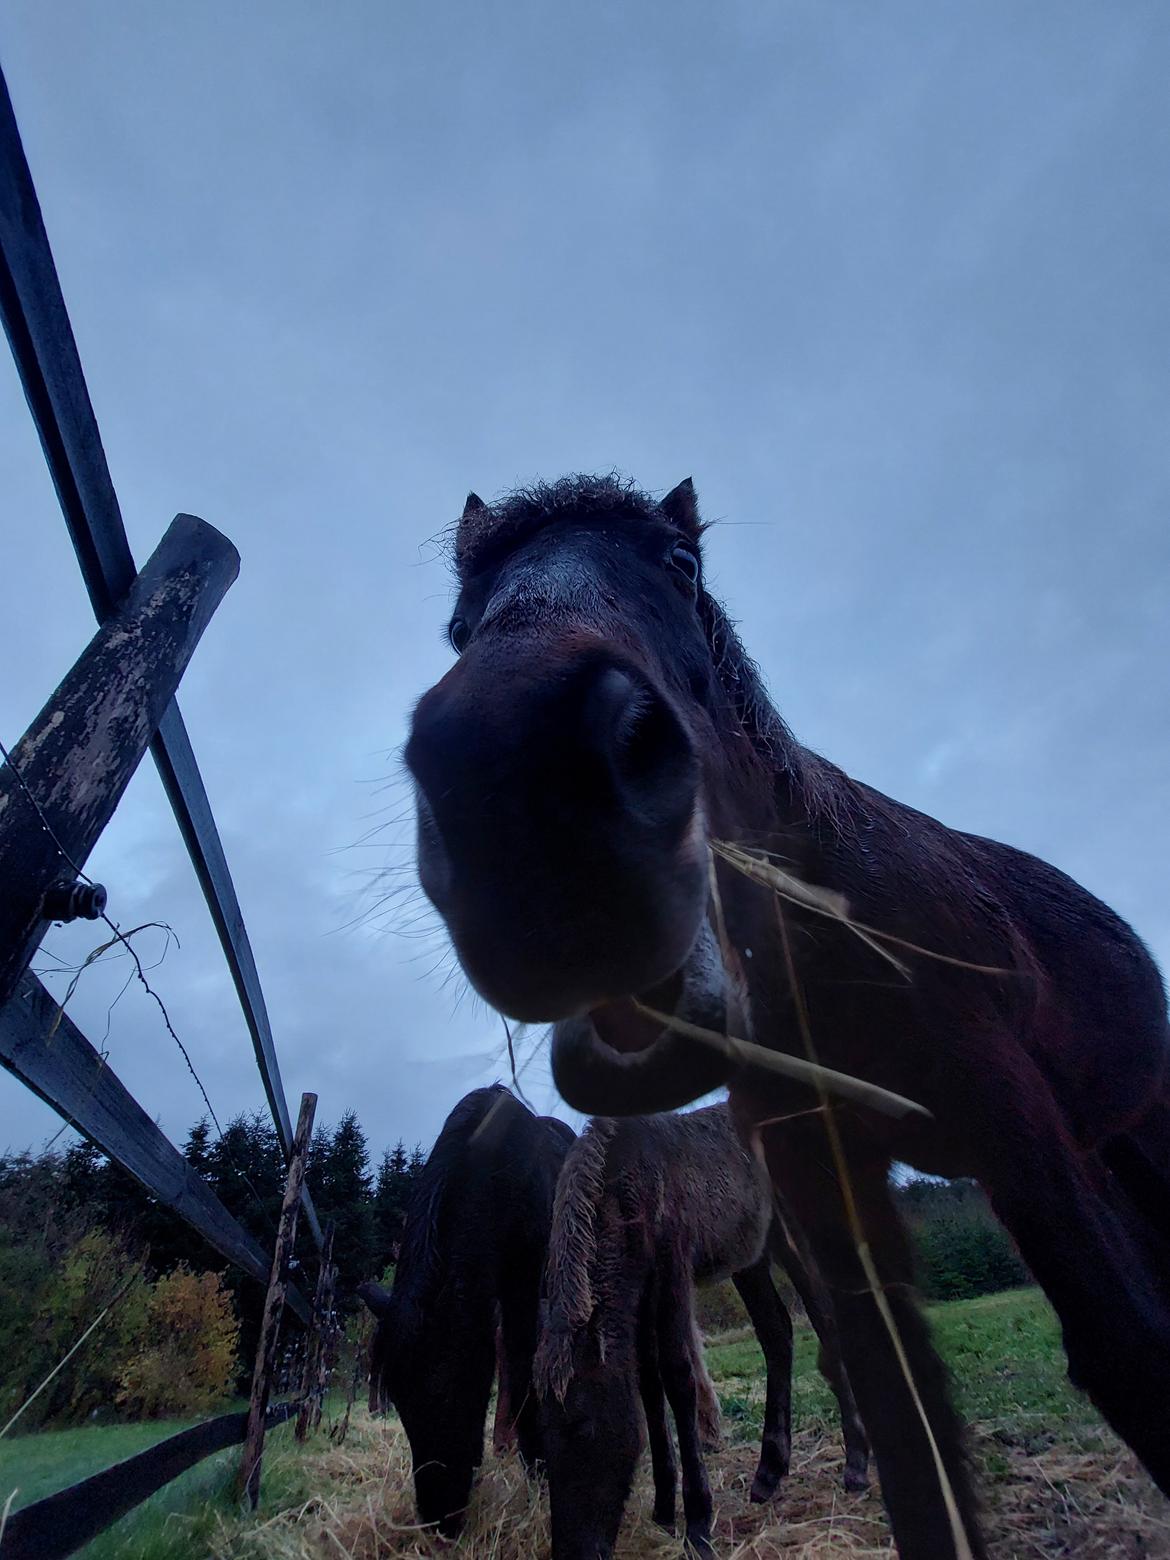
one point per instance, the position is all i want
(418, 1258)
(572, 1254)
(824, 793)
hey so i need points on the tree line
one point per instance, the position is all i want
(960, 1251)
(960, 1248)
(75, 1228)
(76, 1231)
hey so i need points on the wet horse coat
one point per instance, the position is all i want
(576, 770)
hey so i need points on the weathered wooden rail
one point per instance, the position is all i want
(69, 770)
(58, 790)
(44, 1048)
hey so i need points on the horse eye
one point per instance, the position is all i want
(686, 561)
(459, 633)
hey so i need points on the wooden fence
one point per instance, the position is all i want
(59, 787)
(60, 1524)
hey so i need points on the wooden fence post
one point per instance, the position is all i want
(313, 1378)
(71, 767)
(248, 1482)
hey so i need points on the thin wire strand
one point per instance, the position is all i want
(122, 938)
(64, 1360)
(520, 1094)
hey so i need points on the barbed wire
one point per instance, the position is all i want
(138, 972)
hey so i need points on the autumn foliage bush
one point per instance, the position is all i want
(54, 1283)
(187, 1355)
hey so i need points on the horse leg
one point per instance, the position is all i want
(1084, 1246)
(773, 1325)
(1139, 1161)
(654, 1404)
(790, 1250)
(516, 1341)
(676, 1327)
(900, 1385)
(503, 1429)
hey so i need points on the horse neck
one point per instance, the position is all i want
(893, 867)
(767, 791)
(722, 1195)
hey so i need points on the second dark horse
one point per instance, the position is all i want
(473, 1250)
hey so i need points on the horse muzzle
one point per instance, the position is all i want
(622, 1060)
(561, 826)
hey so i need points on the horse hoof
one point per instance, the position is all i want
(765, 1487)
(698, 1546)
(856, 1480)
(664, 1520)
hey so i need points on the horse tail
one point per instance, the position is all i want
(570, 1296)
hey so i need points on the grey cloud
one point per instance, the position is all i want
(889, 283)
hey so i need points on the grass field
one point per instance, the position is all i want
(1003, 1351)
(1056, 1482)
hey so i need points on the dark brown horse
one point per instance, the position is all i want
(470, 1265)
(645, 1209)
(602, 731)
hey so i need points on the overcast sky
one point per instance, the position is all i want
(891, 282)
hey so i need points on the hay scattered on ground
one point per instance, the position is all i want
(1043, 1500)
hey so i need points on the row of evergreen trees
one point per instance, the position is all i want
(245, 1168)
(67, 1219)
(80, 1191)
(960, 1248)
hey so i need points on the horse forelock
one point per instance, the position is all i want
(483, 535)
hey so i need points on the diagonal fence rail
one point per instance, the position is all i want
(45, 351)
(58, 790)
(77, 1081)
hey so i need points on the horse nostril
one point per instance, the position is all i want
(635, 738)
(648, 752)
(434, 863)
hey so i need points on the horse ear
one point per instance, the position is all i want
(681, 508)
(473, 505)
(379, 1300)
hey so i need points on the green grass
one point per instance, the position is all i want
(173, 1524)
(1003, 1352)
